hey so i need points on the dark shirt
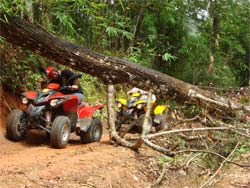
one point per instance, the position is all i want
(64, 79)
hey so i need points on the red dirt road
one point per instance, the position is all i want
(33, 163)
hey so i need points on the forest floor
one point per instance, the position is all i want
(33, 163)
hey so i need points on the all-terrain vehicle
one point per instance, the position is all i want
(132, 111)
(56, 113)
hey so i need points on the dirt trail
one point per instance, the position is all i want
(234, 176)
(33, 163)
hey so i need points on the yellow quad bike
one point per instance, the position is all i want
(160, 116)
(132, 111)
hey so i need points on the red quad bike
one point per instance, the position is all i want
(56, 113)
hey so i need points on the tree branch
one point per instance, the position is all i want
(111, 122)
(208, 182)
(150, 136)
(160, 178)
(210, 152)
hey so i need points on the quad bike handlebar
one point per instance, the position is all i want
(59, 88)
(64, 87)
(75, 76)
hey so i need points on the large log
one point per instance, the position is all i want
(109, 70)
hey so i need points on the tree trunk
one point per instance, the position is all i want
(109, 70)
(245, 74)
(138, 25)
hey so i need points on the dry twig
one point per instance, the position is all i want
(150, 136)
(160, 178)
(213, 153)
(209, 181)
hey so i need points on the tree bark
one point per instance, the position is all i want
(109, 70)
(138, 25)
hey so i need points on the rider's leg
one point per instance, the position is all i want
(79, 96)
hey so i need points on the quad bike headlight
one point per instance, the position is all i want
(25, 100)
(119, 105)
(54, 102)
(139, 106)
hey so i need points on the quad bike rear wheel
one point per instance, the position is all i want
(141, 121)
(16, 125)
(60, 132)
(164, 125)
(94, 132)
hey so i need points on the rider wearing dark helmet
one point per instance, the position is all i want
(66, 78)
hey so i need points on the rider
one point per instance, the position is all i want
(144, 94)
(63, 77)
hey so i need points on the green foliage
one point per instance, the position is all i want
(192, 110)
(242, 149)
(2, 40)
(94, 92)
(112, 32)
(14, 7)
(149, 23)
(164, 159)
(66, 23)
(168, 57)
(19, 69)
(175, 37)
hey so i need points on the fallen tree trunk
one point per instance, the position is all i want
(109, 70)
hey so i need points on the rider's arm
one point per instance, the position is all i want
(75, 85)
(67, 75)
(43, 83)
(134, 90)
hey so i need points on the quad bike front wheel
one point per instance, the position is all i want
(60, 132)
(16, 125)
(118, 122)
(94, 132)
